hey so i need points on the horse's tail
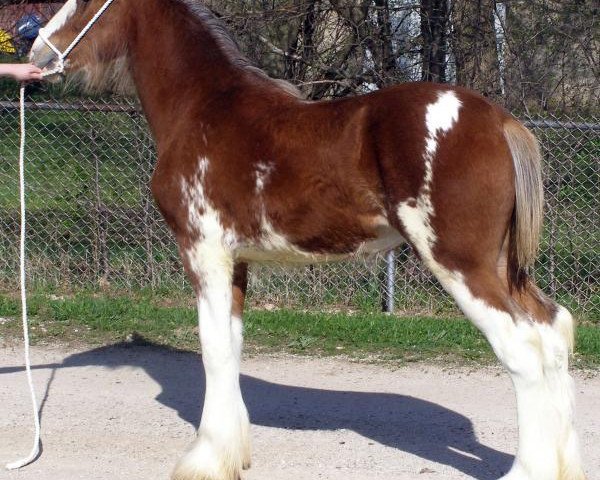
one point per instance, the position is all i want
(528, 214)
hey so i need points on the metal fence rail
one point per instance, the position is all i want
(92, 223)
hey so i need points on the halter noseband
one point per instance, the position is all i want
(60, 67)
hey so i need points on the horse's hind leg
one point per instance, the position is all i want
(531, 336)
(535, 353)
(537, 360)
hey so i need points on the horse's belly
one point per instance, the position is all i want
(280, 250)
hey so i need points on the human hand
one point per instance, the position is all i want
(21, 72)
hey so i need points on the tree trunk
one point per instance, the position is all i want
(302, 48)
(434, 38)
(384, 52)
(474, 46)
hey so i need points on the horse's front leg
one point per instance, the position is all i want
(222, 447)
(240, 283)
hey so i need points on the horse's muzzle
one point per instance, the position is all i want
(45, 59)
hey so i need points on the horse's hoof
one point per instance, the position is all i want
(189, 472)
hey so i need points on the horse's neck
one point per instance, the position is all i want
(176, 69)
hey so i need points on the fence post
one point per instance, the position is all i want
(101, 216)
(390, 281)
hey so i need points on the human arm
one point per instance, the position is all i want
(20, 72)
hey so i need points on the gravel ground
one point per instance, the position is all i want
(127, 413)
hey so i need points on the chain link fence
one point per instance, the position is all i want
(92, 224)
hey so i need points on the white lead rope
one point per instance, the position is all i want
(36, 414)
(58, 69)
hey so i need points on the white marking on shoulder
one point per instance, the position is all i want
(56, 22)
(203, 168)
(203, 218)
(263, 171)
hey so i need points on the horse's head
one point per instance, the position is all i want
(99, 59)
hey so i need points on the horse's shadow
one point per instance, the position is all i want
(406, 423)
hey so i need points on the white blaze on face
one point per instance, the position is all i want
(56, 23)
(263, 171)
(415, 214)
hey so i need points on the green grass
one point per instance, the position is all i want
(89, 319)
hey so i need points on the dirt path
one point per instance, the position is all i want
(127, 413)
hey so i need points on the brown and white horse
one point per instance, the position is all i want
(249, 171)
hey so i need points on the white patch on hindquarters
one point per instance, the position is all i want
(56, 23)
(415, 214)
(440, 118)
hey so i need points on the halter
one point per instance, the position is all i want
(60, 67)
